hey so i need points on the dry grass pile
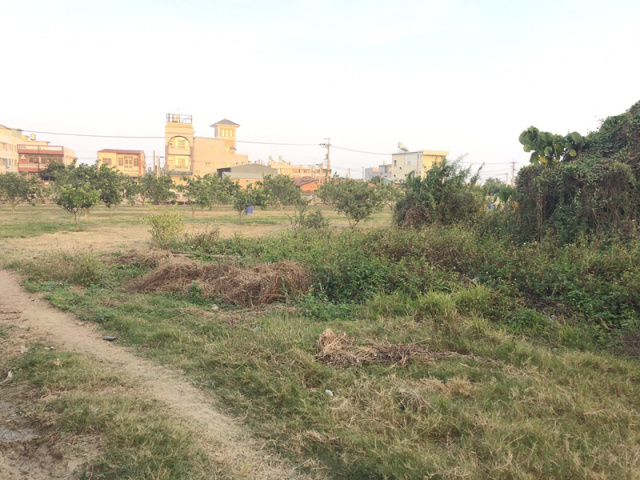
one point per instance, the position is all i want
(258, 285)
(342, 351)
(145, 258)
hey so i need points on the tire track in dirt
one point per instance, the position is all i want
(218, 433)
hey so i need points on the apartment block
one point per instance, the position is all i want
(129, 162)
(10, 138)
(36, 155)
(404, 162)
(318, 173)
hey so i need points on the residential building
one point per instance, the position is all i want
(370, 173)
(385, 172)
(316, 172)
(10, 138)
(382, 171)
(247, 174)
(186, 154)
(405, 162)
(35, 155)
(129, 162)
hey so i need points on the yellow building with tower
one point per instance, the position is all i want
(186, 154)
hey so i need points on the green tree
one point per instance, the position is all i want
(200, 191)
(223, 190)
(243, 198)
(280, 190)
(447, 194)
(354, 199)
(76, 189)
(157, 189)
(112, 185)
(131, 190)
(492, 186)
(15, 189)
(52, 171)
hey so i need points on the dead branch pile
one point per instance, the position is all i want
(342, 351)
(146, 258)
(258, 285)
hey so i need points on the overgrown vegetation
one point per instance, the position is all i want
(594, 190)
(357, 201)
(447, 361)
(448, 194)
(485, 344)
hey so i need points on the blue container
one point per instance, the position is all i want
(248, 210)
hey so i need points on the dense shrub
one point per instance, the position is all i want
(166, 227)
(447, 194)
(595, 192)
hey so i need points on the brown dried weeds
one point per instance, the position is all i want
(342, 351)
(250, 286)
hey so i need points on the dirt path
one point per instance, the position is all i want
(223, 436)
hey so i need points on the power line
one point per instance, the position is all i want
(360, 151)
(133, 137)
(94, 136)
(281, 144)
(161, 138)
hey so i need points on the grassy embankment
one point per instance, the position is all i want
(464, 355)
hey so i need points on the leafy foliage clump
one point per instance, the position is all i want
(302, 219)
(594, 192)
(166, 227)
(447, 194)
(280, 190)
(16, 189)
(355, 200)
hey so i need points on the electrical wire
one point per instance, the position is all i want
(359, 151)
(251, 142)
(161, 138)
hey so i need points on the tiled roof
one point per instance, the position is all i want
(224, 121)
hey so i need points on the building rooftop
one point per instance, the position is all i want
(224, 121)
(126, 152)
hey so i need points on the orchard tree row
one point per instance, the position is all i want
(79, 188)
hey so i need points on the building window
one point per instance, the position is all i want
(33, 158)
(106, 161)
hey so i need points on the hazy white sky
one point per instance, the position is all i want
(463, 76)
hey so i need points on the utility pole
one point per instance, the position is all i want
(328, 147)
(513, 171)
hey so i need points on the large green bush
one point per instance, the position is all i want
(594, 192)
(447, 194)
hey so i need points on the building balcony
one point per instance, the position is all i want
(41, 149)
(179, 118)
